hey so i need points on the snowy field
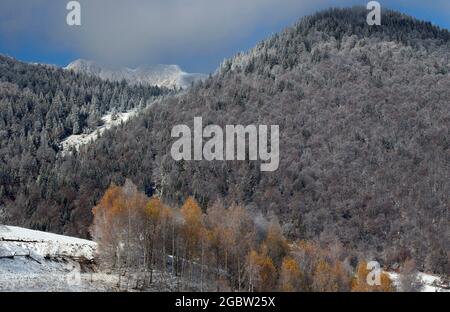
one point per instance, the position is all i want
(34, 261)
(15, 241)
(26, 275)
(40, 261)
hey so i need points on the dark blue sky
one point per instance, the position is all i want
(196, 34)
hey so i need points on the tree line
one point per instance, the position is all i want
(221, 249)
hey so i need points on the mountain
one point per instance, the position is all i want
(169, 76)
(364, 141)
(40, 106)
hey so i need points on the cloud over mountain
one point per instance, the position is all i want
(137, 31)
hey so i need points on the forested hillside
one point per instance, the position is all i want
(364, 149)
(40, 105)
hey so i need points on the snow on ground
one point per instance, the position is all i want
(45, 262)
(39, 261)
(24, 274)
(430, 282)
(108, 122)
(20, 241)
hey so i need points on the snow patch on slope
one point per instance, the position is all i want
(110, 120)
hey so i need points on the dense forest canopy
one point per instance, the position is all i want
(40, 105)
(364, 149)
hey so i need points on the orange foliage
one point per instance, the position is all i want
(193, 224)
(155, 210)
(111, 204)
(276, 244)
(127, 224)
(290, 275)
(263, 271)
(116, 222)
(359, 282)
(325, 279)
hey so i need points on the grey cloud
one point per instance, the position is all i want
(118, 30)
(134, 31)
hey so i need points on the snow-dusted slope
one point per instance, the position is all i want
(76, 141)
(79, 140)
(40, 261)
(169, 76)
(16, 241)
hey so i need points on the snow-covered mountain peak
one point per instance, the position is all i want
(160, 75)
